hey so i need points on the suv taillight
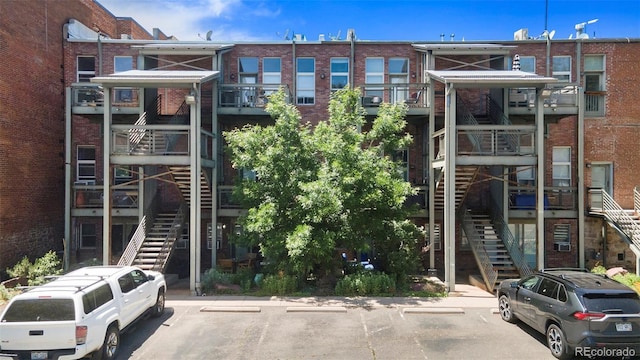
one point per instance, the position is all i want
(587, 315)
(81, 335)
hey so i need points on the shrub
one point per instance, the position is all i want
(599, 269)
(213, 277)
(36, 273)
(366, 284)
(279, 285)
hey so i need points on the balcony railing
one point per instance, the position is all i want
(150, 140)
(496, 140)
(414, 95)
(248, 95)
(92, 197)
(225, 198)
(555, 198)
(594, 103)
(566, 96)
(92, 95)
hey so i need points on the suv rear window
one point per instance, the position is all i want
(612, 303)
(40, 310)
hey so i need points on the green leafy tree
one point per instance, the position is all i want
(332, 186)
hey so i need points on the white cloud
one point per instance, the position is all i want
(187, 20)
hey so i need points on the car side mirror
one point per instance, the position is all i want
(514, 284)
(151, 277)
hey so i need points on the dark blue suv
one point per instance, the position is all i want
(581, 313)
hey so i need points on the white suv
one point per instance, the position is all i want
(81, 313)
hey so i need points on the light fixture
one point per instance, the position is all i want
(190, 99)
(546, 93)
(232, 76)
(322, 75)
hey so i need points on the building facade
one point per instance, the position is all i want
(517, 169)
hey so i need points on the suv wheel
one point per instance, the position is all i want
(158, 307)
(110, 346)
(504, 305)
(556, 342)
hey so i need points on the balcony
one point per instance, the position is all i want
(563, 101)
(559, 200)
(414, 95)
(247, 99)
(88, 99)
(594, 103)
(90, 198)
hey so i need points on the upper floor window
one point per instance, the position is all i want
(120, 64)
(374, 74)
(86, 163)
(271, 73)
(88, 237)
(561, 166)
(399, 74)
(339, 73)
(401, 157)
(528, 64)
(248, 70)
(86, 68)
(594, 84)
(562, 68)
(305, 81)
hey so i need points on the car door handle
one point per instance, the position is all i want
(549, 306)
(527, 298)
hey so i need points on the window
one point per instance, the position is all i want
(120, 64)
(594, 84)
(39, 310)
(562, 294)
(86, 163)
(96, 298)
(548, 288)
(526, 175)
(401, 157)
(561, 166)
(339, 73)
(530, 283)
(126, 283)
(561, 233)
(528, 64)
(271, 74)
(374, 74)
(138, 277)
(122, 174)
(562, 68)
(183, 240)
(248, 74)
(86, 68)
(87, 236)
(305, 81)
(399, 74)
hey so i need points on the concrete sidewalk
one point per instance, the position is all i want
(464, 296)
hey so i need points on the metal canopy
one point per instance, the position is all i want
(193, 48)
(490, 78)
(156, 78)
(464, 49)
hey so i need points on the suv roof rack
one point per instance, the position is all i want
(565, 269)
(61, 285)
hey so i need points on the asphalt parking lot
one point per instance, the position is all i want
(241, 329)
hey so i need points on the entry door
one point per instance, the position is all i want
(601, 177)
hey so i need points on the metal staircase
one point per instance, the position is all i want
(157, 247)
(181, 177)
(627, 222)
(465, 176)
(488, 248)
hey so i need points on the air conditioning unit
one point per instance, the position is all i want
(562, 246)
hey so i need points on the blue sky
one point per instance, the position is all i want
(415, 20)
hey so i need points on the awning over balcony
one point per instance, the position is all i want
(463, 49)
(156, 78)
(490, 78)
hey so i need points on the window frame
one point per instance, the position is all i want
(336, 74)
(310, 91)
(84, 76)
(86, 235)
(561, 74)
(85, 163)
(524, 60)
(122, 94)
(369, 74)
(557, 180)
(271, 74)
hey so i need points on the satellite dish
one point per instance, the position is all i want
(551, 34)
(209, 35)
(580, 29)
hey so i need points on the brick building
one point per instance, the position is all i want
(539, 160)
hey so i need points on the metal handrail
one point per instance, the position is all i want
(167, 246)
(497, 116)
(489, 274)
(467, 118)
(510, 243)
(615, 214)
(139, 236)
(636, 199)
